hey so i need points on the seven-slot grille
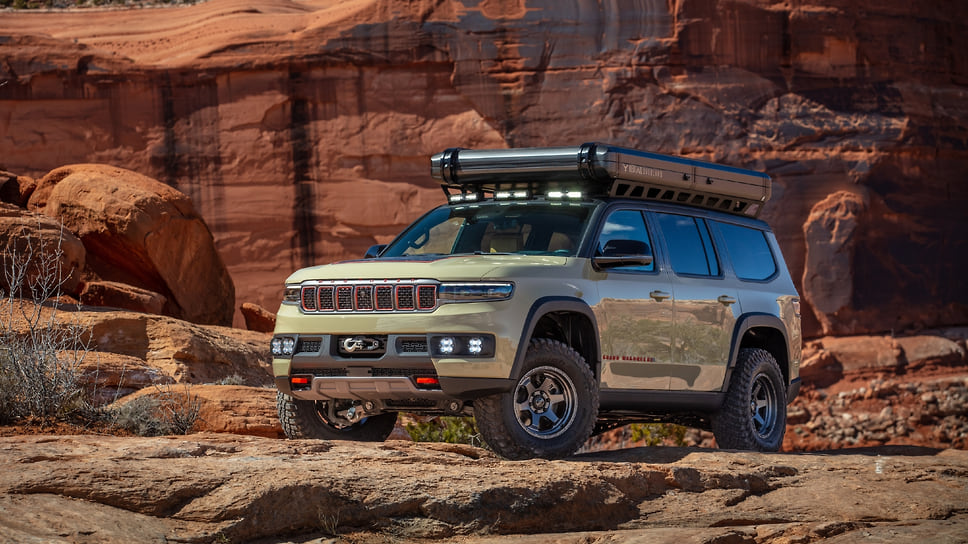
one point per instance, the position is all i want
(367, 296)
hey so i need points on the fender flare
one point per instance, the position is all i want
(745, 323)
(551, 304)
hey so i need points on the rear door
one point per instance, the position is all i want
(706, 304)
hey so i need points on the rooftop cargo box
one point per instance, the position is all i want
(601, 170)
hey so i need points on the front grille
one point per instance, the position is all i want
(327, 301)
(308, 298)
(344, 297)
(426, 297)
(308, 346)
(384, 297)
(412, 346)
(405, 297)
(369, 296)
(364, 297)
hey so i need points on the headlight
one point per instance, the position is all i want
(291, 295)
(474, 292)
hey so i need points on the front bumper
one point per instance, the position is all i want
(403, 390)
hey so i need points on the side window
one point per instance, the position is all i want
(749, 251)
(690, 247)
(621, 227)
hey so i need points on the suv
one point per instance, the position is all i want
(559, 292)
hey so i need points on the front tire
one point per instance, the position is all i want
(311, 419)
(753, 416)
(550, 412)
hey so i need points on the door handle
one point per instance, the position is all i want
(659, 295)
(726, 300)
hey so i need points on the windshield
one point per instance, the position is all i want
(530, 228)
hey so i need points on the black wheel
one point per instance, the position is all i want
(753, 416)
(318, 419)
(551, 411)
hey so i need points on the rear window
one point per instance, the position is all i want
(750, 252)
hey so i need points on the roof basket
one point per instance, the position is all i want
(601, 170)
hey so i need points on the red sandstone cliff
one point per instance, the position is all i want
(301, 130)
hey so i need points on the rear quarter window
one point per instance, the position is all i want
(749, 251)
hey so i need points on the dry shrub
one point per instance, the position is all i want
(40, 353)
(165, 411)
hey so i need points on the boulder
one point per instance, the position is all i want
(926, 350)
(864, 354)
(55, 256)
(237, 409)
(144, 233)
(828, 273)
(258, 318)
(123, 296)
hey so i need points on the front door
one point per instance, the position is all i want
(635, 311)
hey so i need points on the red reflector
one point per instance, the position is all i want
(428, 381)
(300, 381)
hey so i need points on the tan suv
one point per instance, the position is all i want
(559, 292)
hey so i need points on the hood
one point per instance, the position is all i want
(443, 268)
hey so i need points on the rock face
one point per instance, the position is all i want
(141, 232)
(302, 132)
(212, 488)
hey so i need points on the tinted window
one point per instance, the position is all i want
(749, 251)
(625, 225)
(690, 248)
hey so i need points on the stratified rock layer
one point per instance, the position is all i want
(301, 130)
(211, 488)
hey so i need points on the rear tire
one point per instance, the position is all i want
(753, 416)
(551, 411)
(308, 419)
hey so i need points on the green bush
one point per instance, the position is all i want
(453, 430)
(656, 434)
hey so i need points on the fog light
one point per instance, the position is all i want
(446, 345)
(288, 346)
(276, 346)
(475, 346)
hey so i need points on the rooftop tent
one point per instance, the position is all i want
(601, 170)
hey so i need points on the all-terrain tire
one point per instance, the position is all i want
(549, 413)
(305, 419)
(753, 416)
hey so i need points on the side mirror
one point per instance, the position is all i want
(623, 253)
(374, 251)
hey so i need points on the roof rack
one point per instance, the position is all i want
(601, 170)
